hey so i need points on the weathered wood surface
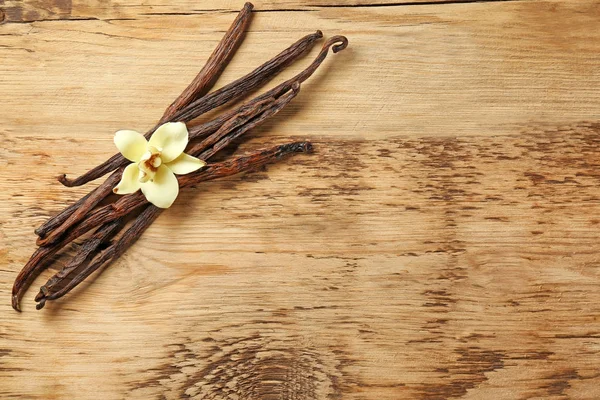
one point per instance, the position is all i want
(443, 242)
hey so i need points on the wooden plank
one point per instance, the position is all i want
(407, 72)
(442, 242)
(36, 10)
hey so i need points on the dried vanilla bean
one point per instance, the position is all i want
(43, 255)
(225, 139)
(142, 222)
(206, 139)
(249, 82)
(78, 213)
(215, 65)
(85, 253)
(61, 217)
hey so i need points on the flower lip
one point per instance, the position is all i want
(152, 163)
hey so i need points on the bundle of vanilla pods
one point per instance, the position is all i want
(108, 230)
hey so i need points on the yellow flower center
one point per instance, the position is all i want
(149, 164)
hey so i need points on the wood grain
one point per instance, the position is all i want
(441, 243)
(48, 10)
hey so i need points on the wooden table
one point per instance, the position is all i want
(442, 242)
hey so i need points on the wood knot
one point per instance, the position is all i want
(259, 368)
(2, 15)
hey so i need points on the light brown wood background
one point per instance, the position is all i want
(442, 243)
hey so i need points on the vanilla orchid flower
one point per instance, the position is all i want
(155, 162)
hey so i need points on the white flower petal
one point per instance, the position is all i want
(131, 144)
(163, 189)
(130, 181)
(184, 164)
(170, 139)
